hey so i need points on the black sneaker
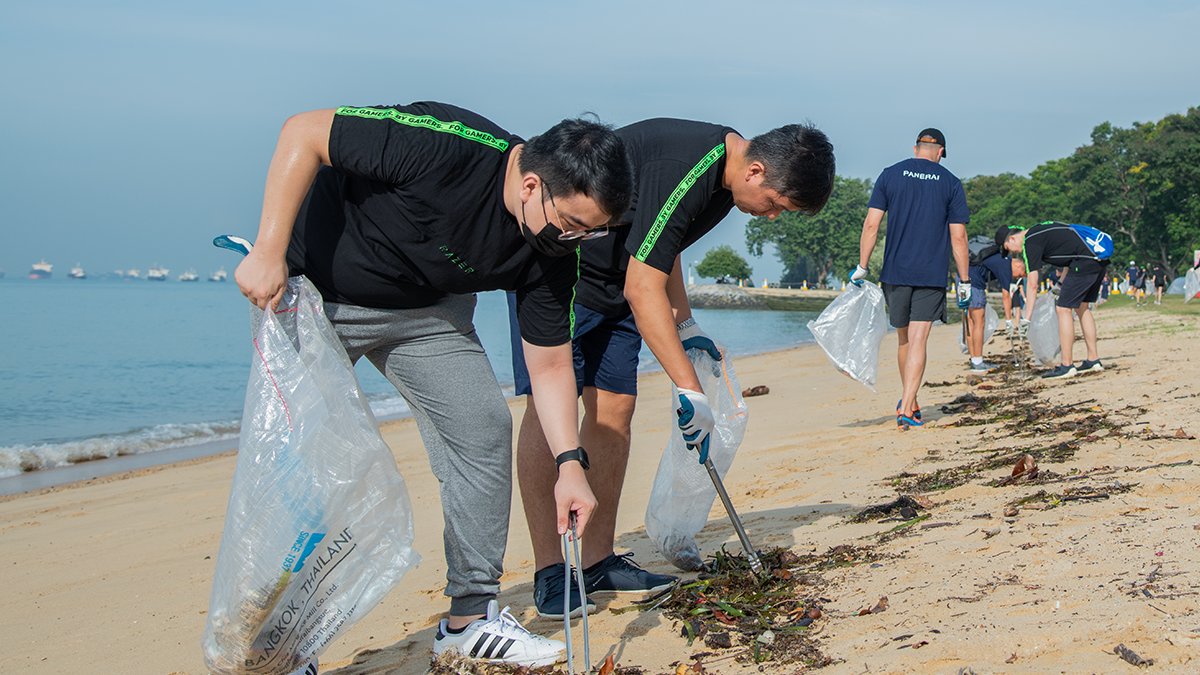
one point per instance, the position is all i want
(1090, 366)
(548, 593)
(619, 574)
(1060, 372)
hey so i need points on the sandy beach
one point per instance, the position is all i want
(1047, 574)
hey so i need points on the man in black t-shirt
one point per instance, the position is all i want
(419, 207)
(1082, 251)
(688, 176)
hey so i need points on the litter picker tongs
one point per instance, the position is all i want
(751, 553)
(570, 541)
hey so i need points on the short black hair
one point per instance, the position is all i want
(799, 164)
(585, 157)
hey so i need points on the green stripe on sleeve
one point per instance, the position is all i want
(677, 195)
(426, 122)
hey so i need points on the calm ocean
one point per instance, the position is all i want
(101, 368)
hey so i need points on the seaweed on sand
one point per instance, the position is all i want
(765, 616)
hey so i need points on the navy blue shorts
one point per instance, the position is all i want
(606, 351)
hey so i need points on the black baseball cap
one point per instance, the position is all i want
(932, 135)
(1002, 235)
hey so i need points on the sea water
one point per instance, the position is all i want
(94, 369)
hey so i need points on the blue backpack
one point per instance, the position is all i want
(1099, 243)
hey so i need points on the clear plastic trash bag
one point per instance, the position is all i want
(683, 492)
(851, 329)
(1043, 331)
(319, 526)
(1191, 285)
(991, 321)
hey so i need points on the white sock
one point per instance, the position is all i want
(976, 360)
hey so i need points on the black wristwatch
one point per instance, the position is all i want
(578, 454)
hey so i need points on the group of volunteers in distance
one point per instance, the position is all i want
(399, 214)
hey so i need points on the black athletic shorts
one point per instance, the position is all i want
(914, 303)
(1082, 284)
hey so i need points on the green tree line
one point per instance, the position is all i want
(1141, 185)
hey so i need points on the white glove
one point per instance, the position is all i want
(1023, 330)
(695, 420)
(693, 338)
(1008, 327)
(857, 276)
(964, 295)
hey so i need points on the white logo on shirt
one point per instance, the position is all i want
(920, 176)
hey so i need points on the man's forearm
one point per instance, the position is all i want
(958, 244)
(677, 294)
(552, 380)
(869, 236)
(646, 291)
(1031, 279)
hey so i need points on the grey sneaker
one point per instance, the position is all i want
(1090, 366)
(982, 367)
(548, 593)
(619, 574)
(1060, 372)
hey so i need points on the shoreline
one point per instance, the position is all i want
(113, 468)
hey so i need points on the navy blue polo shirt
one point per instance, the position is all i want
(921, 199)
(995, 266)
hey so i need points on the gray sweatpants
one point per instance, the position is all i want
(434, 358)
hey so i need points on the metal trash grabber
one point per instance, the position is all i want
(587, 653)
(751, 553)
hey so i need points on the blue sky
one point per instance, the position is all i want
(134, 133)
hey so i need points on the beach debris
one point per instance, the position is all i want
(756, 390)
(989, 533)
(694, 668)
(904, 506)
(730, 604)
(966, 403)
(880, 606)
(1180, 433)
(1131, 656)
(1011, 659)
(1026, 467)
(720, 640)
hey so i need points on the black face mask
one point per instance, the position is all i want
(547, 242)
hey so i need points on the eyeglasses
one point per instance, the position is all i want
(565, 234)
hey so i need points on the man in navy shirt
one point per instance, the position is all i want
(927, 217)
(987, 264)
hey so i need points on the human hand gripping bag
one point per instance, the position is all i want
(991, 321)
(1043, 331)
(851, 329)
(319, 525)
(683, 493)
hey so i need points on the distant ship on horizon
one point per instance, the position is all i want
(133, 273)
(156, 273)
(219, 275)
(77, 272)
(41, 270)
(189, 275)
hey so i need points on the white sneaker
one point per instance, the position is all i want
(499, 638)
(308, 669)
